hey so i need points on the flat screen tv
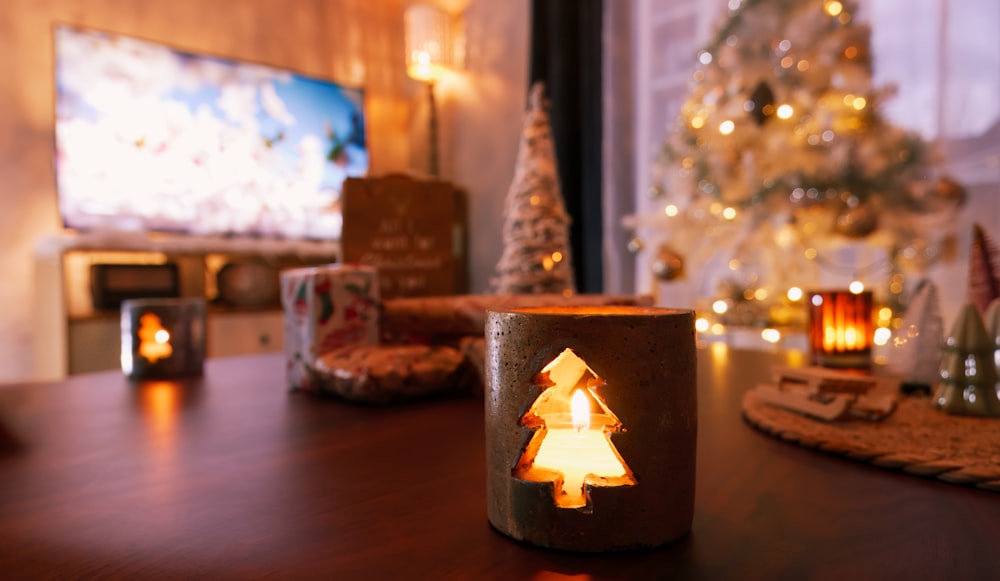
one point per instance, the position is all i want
(150, 138)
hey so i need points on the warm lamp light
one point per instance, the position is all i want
(430, 52)
(428, 42)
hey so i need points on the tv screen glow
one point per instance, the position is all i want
(150, 138)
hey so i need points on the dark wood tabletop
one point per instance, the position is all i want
(232, 476)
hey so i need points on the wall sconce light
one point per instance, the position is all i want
(431, 50)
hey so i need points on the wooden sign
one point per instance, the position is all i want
(412, 230)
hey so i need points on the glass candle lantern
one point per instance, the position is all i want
(591, 424)
(163, 338)
(840, 328)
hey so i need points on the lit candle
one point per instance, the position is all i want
(578, 449)
(162, 337)
(840, 328)
(572, 445)
(154, 340)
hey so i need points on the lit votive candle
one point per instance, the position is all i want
(840, 328)
(162, 337)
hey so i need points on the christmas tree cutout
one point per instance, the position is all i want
(571, 446)
(984, 278)
(154, 340)
(536, 254)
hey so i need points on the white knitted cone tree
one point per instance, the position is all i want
(536, 254)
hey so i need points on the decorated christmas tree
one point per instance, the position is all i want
(536, 254)
(781, 160)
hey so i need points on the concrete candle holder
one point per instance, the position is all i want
(163, 338)
(591, 425)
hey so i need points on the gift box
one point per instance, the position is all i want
(325, 308)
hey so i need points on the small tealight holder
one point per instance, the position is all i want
(840, 328)
(163, 338)
(591, 426)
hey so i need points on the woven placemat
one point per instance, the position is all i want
(915, 438)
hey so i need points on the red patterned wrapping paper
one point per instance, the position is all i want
(326, 307)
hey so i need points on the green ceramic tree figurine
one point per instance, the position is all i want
(968, 372)
(992, 320)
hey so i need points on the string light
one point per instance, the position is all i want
(808, 125)
(856, 287)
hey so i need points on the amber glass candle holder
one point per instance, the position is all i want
(840, 328)
(591, 424)
(163, 338)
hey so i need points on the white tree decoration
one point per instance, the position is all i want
(536, 254)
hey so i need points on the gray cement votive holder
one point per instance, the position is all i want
(626, 480)
(163, 338)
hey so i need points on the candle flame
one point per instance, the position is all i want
(580, 409)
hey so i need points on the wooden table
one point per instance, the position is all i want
(232, 476)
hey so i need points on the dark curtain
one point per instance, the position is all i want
(566, 56)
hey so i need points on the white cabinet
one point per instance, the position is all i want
(243, 333)
(73, 337)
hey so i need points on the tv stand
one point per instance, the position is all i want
(71, 336)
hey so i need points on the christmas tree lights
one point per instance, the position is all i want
(781, 158)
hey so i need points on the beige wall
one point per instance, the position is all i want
(352, 41)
